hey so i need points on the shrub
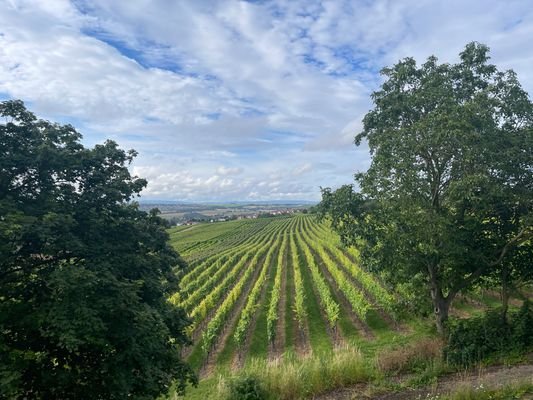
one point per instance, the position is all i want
(475, 339)
(246, 388)
(523, 327)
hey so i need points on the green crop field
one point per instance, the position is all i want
(283, 287)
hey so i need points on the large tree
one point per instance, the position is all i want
(84, 274)
(448, 196)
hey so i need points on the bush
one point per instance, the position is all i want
(472, 340)
(246, 388)
(523, 327)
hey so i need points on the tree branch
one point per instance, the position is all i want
(524, 234)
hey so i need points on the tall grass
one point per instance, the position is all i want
(291, 377)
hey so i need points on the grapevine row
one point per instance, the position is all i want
(212, 267)
(331, 307)
(219, 319)
(383, 298)
(299, 300)
(208, 303)
(205, 283)
(253, 298)
(356, 299)
(272, 314)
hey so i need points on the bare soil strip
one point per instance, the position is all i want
(301, 338)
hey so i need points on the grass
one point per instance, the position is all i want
(509, 392)
(293, 378)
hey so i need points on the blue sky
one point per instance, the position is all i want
(236, 100)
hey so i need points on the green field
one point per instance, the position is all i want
(283, 288)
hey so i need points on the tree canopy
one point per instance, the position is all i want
(84, 275)
(448, 196)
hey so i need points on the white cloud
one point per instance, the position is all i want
(222, 170)
(235, 99)
(302, 169)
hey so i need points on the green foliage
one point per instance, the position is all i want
(215, 325)
(252, 302)
(272, 315)
(84, 275)
(477, 338)
(300, 295)
(448, 193)
(523, 327)
(246, 388)
(329, 305)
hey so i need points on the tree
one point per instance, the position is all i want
(84, 275)
(448, 195)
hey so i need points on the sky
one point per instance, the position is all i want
(236, 100)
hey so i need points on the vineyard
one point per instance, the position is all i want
(271, 286)
(285, 288)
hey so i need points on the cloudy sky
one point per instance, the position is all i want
(236, 100)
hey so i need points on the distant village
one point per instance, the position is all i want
(224, 218)
(178, 214)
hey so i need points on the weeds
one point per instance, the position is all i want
(414, 356)
(293, 378)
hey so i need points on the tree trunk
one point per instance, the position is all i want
(441, 308)
(441, 304)
(505, 291)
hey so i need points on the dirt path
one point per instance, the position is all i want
(493, 377)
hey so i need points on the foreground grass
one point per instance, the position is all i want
(294, 377)
(287, 380)
(522, 390)
(420, 363)
(291, 377)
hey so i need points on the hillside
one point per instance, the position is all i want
(258, 290)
